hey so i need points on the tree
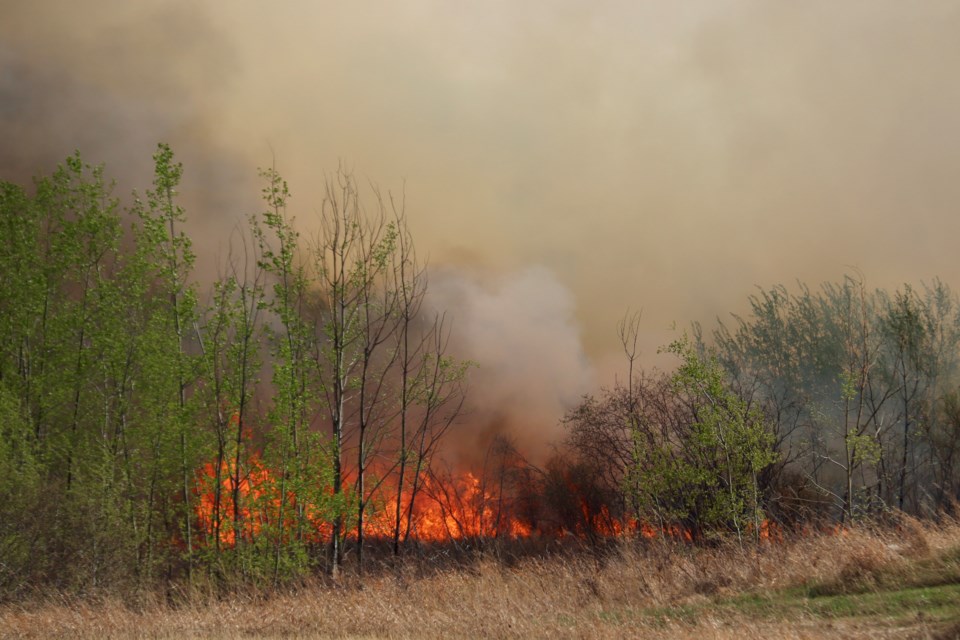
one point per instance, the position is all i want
(168, 251)
(139, 437)
(431, 391)
(722, 452)
(230, 342)
(301, 456)
(382, 370)
(853, 382)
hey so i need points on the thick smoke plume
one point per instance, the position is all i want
(520, 330)
(669, 156)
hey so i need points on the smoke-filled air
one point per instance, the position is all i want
(649, 155)
(304, 294)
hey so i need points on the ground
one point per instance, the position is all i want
(901, 581)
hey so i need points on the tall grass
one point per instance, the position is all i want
(629, 589)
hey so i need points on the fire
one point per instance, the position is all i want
(770, 532)
(430, 507)
(441, 511)
(215, 509)
(452, 508)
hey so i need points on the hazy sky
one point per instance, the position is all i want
(563, 160)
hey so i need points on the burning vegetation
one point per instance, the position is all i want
(296, 416)
(445, 508)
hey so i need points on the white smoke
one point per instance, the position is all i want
(520, 330)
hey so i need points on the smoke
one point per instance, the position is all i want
(669, 156)
(112, 80)
(520, 330)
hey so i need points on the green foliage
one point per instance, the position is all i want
(302, 458)
(853, 382)
(137, 441)
(704, 473)
(20, 486)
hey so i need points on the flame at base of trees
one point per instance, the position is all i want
(452, 509)
(446, 508)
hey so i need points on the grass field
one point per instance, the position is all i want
(897, 582)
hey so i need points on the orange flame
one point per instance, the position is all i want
(258, 500)
(456, 508)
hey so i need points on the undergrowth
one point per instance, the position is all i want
(894, 581)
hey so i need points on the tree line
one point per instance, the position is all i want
(827, 405)
(151, 431)
(255, 429)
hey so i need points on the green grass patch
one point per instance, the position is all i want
(939, 604)
(893, 594)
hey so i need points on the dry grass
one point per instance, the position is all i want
(652, 591)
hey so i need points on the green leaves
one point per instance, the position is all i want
(701, 470)
(126, 404)
(853, 380)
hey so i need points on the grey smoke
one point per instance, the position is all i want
(669, 156)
